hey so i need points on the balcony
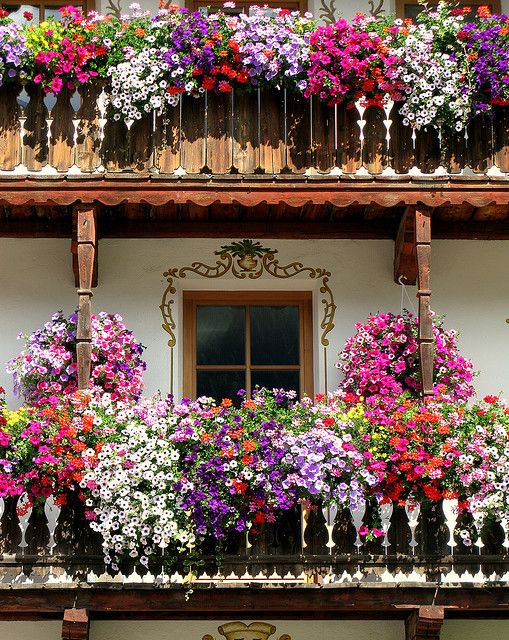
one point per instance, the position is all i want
(265, 133)
(308, 546)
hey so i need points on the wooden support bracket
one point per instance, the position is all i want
(74, 252)
(412, 265)
(425, 623)
(86, 243)
(426, 339)
(76, 625)
(405, 259)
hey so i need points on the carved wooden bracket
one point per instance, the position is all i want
(86, 243)
(74, 252)
(405, 259)
(412, 264)
(425, 623)
(76, 625)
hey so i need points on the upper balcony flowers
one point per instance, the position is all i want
(439, 72)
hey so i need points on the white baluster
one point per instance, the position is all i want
(304, 516)
(329, 514)
(357, 518)
(102, 120)
(388, 106)
(450, 509)
(76, 101)
(23, 519)
(49, 100)
(361, 123)
(23, 99)
(386, 510)
(412, 510)
(52, 512)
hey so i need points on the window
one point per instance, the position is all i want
(43, 10)
(236, 340)
(405, 9)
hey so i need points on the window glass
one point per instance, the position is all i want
(274, 335)
(220, 384)
(220, 335)
(274, 379)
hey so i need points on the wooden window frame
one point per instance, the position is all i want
(87, 5)
(494, 5)
(302, 299)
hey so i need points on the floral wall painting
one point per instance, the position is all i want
(241, 631)
(248, 260)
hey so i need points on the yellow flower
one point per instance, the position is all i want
(13, 417)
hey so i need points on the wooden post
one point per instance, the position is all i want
(412, 263)
(426, 339)
(76, 624)
(86, 242)
(425, 623)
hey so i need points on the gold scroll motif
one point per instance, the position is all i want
(247, 260)
(241, 631)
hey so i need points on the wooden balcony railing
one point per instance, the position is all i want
(321, 546)
(268, 132)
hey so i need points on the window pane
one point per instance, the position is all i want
(274, 335)
(276, 379)
(220, 384)
(220, 334)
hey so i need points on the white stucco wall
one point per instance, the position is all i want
(470, 281)
(298, 630)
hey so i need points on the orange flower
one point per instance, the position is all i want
(249, 404)
(444, 429)
(206, 437)
(139, 32)
(249, 446)
(226, 402)
(483, 12)
(247, 459)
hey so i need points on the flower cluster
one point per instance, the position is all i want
(13, 52)
(47, 366)
(433, 67)
(351, 62)
(440, 72)
(131, 496)
(487, 41)
(382, 359)
(62, 52)
(484, 462)
(418, 445)
(275, 46)
(45, 449)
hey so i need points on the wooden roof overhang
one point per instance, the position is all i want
(278, 206)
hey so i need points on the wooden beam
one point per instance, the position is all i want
(422, 230)
(76, 625)
(405, 261)
(383, 601)
(425, 623)
(74, 252)
(86, 239)
(294, 192)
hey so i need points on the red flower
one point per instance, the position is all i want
(491, 399)
(27, 15)
(328, 422)
(3, 13)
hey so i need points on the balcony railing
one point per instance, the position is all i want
(317, 545)
(271, 132)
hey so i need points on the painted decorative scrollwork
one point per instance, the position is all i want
(247, 259)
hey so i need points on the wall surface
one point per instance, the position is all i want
(470, 282)
(298, 630)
